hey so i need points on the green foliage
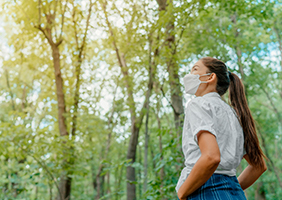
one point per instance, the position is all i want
(244, 34)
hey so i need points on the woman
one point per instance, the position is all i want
(216, 136)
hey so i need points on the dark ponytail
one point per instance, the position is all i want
(237, 99)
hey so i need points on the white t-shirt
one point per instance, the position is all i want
(212, 114)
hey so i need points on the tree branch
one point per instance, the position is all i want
(63, 22)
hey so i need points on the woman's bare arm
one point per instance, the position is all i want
(250, 174)
(204, 167)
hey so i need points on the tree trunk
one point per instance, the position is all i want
(131, 153)
(173, 69)
(162, 172)
(99, 183)
(139, 172)
(153, 156)
(60, 91)
(152, 66)
(65, 180)
(146, 151)
(55, 40)
(78, 64)
(136, 122)
(99, 180)
(108, 183)
(118, 177)
(130, 171)
(65, 187)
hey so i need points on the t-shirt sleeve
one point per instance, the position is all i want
(200, 117)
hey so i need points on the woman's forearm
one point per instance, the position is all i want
(201, 172)
(249, 176)
(204, 167)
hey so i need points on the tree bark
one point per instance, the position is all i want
(108, 183)
(55, 41)
(173, 69)
(139, 155)
(136, 122)
(153, 156)
(65, 180)
(146, 151)
(131, 153)
(152, 66)
(99, 183)
(80, 49)
(99, 180)
(162, 172)
(60, 90)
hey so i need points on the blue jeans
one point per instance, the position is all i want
(219, 187)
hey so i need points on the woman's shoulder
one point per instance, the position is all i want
(210, 105)
(199, 103)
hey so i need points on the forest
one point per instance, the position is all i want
(92, 99)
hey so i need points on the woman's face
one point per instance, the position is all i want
(199, 68)
(204, 88)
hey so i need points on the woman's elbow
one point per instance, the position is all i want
(216, 161)
(264, 168)
(213, 160)
(260, 169)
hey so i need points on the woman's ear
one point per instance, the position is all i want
(212, 78)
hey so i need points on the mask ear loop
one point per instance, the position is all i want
(205, 75)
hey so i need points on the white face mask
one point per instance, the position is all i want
(192, 82)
